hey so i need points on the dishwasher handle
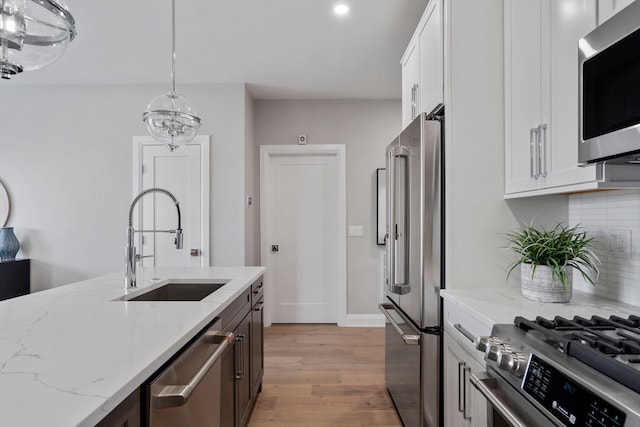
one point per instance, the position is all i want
(409, 339)
(486, 385)
(177, 395)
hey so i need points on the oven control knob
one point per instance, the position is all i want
(514, 363)
(483, 343)
(495, 350)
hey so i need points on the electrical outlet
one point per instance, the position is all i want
(619, 243)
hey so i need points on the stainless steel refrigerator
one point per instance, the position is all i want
(415, 255)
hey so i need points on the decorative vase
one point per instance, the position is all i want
(543, 287)
(9, 244)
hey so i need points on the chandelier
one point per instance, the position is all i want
(170, 118)
(33, 34)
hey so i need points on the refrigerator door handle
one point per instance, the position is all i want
(397, 222)
(409, 339)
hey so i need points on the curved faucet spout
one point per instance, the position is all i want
(131, 257)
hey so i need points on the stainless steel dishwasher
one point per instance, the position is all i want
(186, 392)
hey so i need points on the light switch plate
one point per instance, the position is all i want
(356, 231)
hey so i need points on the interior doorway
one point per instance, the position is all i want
(185, 173)
(303, 232)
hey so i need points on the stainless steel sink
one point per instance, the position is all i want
(179, 292)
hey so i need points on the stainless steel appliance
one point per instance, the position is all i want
(413, 344)
(563, 372)
(187, 391)
(609, 68)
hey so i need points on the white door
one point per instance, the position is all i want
(185, 173)
(304, 237)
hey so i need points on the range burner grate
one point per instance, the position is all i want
(607, 345)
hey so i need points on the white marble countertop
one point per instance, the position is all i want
(70, 355)
(501, 305)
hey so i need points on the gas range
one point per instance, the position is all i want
(565, 372)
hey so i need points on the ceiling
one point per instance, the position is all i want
(283, 49)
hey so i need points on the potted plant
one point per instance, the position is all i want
(547, 259)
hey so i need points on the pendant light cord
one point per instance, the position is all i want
(173, 46)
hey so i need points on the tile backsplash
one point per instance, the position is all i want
(605, 213)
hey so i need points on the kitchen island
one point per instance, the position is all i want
(70, 355)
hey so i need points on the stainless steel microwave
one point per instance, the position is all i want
(609, 68)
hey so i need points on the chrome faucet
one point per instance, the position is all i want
(131, 257)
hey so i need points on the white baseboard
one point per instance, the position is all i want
(363, 320)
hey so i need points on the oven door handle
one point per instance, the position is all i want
(407, 338)
(486, 385)
(177, 395)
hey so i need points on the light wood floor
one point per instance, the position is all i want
(322, 375)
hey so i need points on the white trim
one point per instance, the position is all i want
(338, 150)
(364, 321)
(205, 159)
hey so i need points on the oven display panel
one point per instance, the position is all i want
(569, 402)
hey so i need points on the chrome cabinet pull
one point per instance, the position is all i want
(485, 384)
(542, 155)
(466, 372)
(468, 335)
(460, 387)
(533, 152)
(177, 395)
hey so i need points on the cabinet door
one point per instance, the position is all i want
(608, 8)
(243, 370)
(464, 405)
(228, 387)
(431, 58)
(410, 78)
(257, 346)
(523, 91)
(568, 21)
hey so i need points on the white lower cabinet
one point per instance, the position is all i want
(464, 406)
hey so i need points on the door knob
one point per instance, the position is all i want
(194, 252)
(274, 248)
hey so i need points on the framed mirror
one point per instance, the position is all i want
(5, 205)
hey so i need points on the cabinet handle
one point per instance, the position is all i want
(240, 372)
(468, 335)
(461, 402)
(466, 373)
(533, 153)
(542, 155)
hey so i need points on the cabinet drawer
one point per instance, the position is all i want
(232, 315)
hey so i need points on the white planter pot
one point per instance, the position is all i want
(542, 288)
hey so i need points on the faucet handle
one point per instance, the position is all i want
(139, 257)
(178, 239)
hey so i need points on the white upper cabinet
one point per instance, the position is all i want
(422, 65)
(541, 93)
(608, 8)
(541, 100)
(410, 84)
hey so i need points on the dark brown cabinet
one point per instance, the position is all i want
(15, 278)
(243, 366)
(126, 414)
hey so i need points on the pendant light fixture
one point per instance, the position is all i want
(170, 118)
(33, 34)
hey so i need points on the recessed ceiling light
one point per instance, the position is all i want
(341, 9)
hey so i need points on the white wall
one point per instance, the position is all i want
(366, 128)
(66, 159)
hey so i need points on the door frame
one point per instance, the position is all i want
(139, 142)
(339, 152)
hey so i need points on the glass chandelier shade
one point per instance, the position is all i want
(170, 118)
(33, 34)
